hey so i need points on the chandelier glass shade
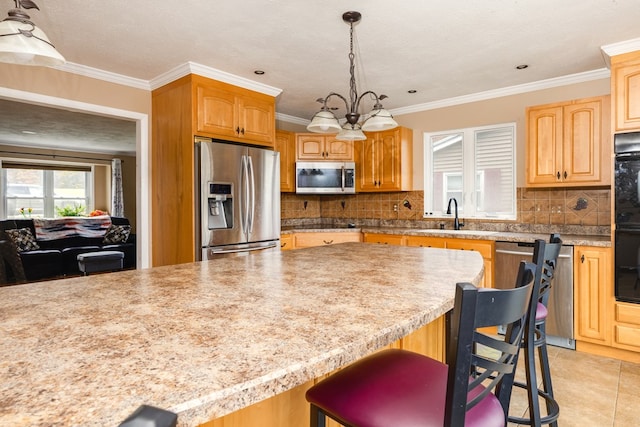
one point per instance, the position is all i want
(21, 42)
(379, 119)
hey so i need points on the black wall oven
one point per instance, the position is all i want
(627, 217)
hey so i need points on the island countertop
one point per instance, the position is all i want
(206, 339)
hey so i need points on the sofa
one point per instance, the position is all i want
(52, 253)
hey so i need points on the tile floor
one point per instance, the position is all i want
(591, 390)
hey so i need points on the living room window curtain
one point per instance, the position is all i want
(117, 200)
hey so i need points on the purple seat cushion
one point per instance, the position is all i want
(541, 312)
(396, 388)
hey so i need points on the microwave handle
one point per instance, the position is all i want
(343, 178)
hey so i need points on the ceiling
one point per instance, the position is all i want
(441, 49)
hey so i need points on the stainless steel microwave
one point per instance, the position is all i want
(325, 177)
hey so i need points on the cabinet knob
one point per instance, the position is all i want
(238, 130)
(582, 258)
(242, 131)
(558, 175)
(327, 242)
(565, 174)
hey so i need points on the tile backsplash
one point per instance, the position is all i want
(575, 211)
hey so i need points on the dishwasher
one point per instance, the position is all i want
(560, 317)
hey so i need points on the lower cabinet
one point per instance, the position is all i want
(286, 242)
(593, 294)
(626, 326)
(307, 240)
(383, 239)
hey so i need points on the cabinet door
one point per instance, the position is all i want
(285, 144)
(256, 120)
(388, 161)
(310, 147)
(593, 276)
(338, 150)
(425, 242)
(286, 242)
(582, 142)
(367, 171)
(384, 239)
(627, 327)
(544, 145)
(216, 112)
(305, 240)
(626, 89)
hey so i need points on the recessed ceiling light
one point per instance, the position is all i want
(258, 72)
(412, 91)
(521, 66)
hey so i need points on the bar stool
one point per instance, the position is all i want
(401, 388)
(545, 256)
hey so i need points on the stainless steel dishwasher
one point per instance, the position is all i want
(560, 319)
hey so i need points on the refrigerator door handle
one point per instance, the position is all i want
(244, 197)
(252, 195)
(248, 249)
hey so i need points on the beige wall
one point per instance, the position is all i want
(494, 111)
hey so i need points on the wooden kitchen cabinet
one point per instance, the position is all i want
(625, 89)
(593, 294)
(384, 161)
(315, 146)
(286, 242)
(627, 326)
(383, 239)
(306, 240)
(183, 109)
(426, 242)
(285, 144)
(569, 143)
(226, 112)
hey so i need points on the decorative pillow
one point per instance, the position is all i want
(117, 234)
(23, 239)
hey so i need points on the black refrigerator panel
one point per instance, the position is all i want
(627, 265)
(627, 191)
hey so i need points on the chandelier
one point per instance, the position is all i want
(21, 42)
(324, 121)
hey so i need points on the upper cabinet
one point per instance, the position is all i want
(227, 112)
(569, 143)
(625, 88)
(385, 161)
(285, 144)
(315, 146)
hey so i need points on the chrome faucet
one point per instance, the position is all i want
(456, 222)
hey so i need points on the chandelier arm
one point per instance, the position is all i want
(339, 96)
(367, 93)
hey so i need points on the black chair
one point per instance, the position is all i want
(401, 388)
(545, 256)
(11, 270)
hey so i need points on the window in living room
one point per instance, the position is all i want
(476, 166)
(45, 191)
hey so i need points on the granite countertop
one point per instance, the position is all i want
(205, 339)
(504, 236)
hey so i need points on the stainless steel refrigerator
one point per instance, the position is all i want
(237, 199)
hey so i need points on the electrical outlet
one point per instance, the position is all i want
(395, 208)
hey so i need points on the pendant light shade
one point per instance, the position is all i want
(324, 121)
(21, 42)
(351, 132)
(379, 120)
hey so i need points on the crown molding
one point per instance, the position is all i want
(212, 73)
(602, 73)
(619, 48)
(292, 119)
(107, 76)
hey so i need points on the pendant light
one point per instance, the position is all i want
(21, 42)
(324, 121)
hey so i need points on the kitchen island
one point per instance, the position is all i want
(210, 338)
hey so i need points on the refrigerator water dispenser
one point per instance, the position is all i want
(220, 206)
